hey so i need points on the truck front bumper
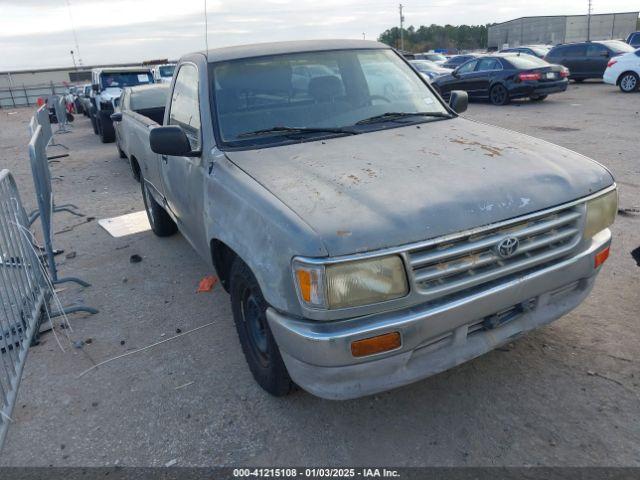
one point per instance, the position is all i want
(434, 337)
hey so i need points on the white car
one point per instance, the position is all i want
(624, 71)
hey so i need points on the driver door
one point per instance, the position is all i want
(182, 177)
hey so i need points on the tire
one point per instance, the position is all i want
(578, 80)
(94, 121)
(107, 132)
(121, 154)
(161, 223)
(498, 95)
(629, 82)
(538, 98)
(258, 345)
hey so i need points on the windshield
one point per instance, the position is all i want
(435, 57)
(166, 70)
(526, 61)
(124, 79)
(314, 90)
(425, 66)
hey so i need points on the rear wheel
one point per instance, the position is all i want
(499, 95)
(628, 82)
(161, 223)
(538, 98)
(258, 345)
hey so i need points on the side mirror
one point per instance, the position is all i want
(116, 117)
(458, 101)
(95, 87)
(171, 140)
(455, 73)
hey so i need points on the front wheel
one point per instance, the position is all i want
(161, 223)
(258, 345)
(628, 82)
(499, 95)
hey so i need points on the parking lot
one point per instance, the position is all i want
(567, 394)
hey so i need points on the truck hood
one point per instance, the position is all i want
(403, 185)
(111, 93)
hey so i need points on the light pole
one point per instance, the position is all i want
(589, 23)
(364, 36)
(75, 67)
(401, 29)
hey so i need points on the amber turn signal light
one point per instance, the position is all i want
(601, 257)
(373, 345)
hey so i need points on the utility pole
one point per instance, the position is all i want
(589, 23)
(364, 36)
(75, 67)
(402, 29)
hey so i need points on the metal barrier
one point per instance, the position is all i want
(46, 207)
(24, 295)
(59, 105)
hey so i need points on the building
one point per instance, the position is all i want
(561, 29)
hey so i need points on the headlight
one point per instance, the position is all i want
(351, 284)
(601, 212)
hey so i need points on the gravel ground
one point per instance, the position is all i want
(567, 394)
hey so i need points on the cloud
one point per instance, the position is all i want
(37, 33)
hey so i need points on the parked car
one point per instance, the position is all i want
(539, 51)
(503, 77)
(140, 107)
(457, 60)
(353, 265)
(163, 73)
(107, 85)
(634, 39)
(587, 59)
(436, 58)
(429, 69)
(624, 71)
(84, 99)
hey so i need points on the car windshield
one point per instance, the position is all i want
(425, 65)
(526, 61)
(260, 100)
(619, 47)
(166, 70)
(124, 79)
(435, 57)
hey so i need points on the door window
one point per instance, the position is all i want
(185, 107)
(574, 51)
(596, 50)
(488, 64)
(468, 67)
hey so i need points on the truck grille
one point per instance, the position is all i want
(473, 261)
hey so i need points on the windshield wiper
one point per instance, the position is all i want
(392, 116)
(265, 131)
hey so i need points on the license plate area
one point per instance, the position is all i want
(550, 76)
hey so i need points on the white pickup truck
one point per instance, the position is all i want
(369, 236)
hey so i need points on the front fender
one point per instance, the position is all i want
(262, 230)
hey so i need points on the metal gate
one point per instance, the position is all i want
(24, 294)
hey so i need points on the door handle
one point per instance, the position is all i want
(165, 159)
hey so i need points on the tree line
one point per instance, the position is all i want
(449, 37)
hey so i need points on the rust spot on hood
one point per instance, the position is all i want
(493, 151)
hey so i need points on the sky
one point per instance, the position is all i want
(38, 33)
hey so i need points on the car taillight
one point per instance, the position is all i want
(611, 63)
(529, 76)
(564, 73)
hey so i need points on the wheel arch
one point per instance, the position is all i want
(222, 257)
(624, 73)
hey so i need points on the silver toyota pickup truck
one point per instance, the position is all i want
(368, 235)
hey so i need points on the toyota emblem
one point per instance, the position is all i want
(507, 247)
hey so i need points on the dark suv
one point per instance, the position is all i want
(587, 59)
(634, 39)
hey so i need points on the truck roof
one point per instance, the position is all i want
(278, 48)
(121, 69)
